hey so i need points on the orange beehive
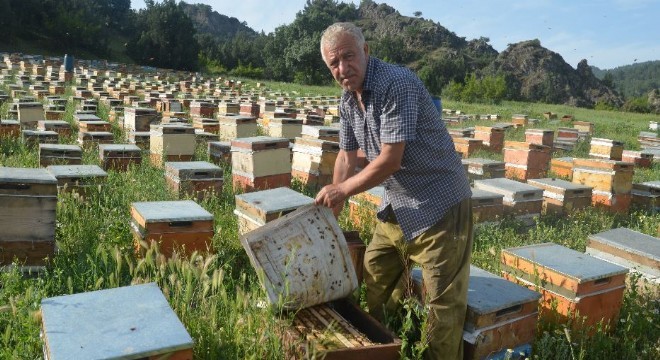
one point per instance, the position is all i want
(606, 149)
(492, 137)
(562, 167)
(560, 196)
(364, 205)
(540, 136)
(467, 146)
(639, 158)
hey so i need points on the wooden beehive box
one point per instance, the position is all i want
(328, 133)
(27, 215)
(78, 178)
(198, 179)
(237, 126)
(492, 137)
(92, 126)
(638, 252)
(219, 152)
(540, 136)
(647, 195)
(229, 108)
(520, 200)
(604, 175)
(479, 168)
(171, 142)
(467, 146)
(250, 109)
(500, 315)
(260, 163)
(606, 149)
(29, 114)
(59, 154)
(529, 154)
(562, 166)
(119, 157)
(288, 128)
(364, 206)
(255, 209)
(61, 127)
(289, 253)
(131, 322)
(313, 161)
(174, 225)
(202, 109)
(639, 158)
(140, 138)
(206, 124)
(487, 206)
(10, 128)
(90, 138)
(571, 282)
(139, 119)
(561, 196)
(81, 117)
(584, 126)
(33, 138)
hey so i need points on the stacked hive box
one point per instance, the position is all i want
(119, 157)
(540, 136)
(250, 109)
(56, 154)
(639, 158)
(260, 207)
(500, 315)
(32, 138)
(229, 108)
(466, 146)
(132, 322)
(566, 139)
(526, 161)
(487, 207)
(561, 197)
(638, 252)
(202, 109)
(289, 251)
(479, 169)
(571, 282)
(10, 128)
(328, 133)
(91, 138)
(77, 178)
(139, 119)
(29, 114)
(206, 125)
(606, 149)
(364, 205)
(519, 120)
(219, 152)
(27, 215)
(611, 182)
(171, 143)
(522, 201)
(492, 137)
(260, 163)
(237, 126)
(584, 127)
(61, 127)
(313, 162)
(173, 225)
(94, 126)
(288, 128)
(140, 138)
(647, 195)
(198, 179)
(562, 166)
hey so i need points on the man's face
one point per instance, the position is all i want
(347, 62)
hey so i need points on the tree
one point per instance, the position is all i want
(417, 13)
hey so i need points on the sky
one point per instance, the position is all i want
(607, 33)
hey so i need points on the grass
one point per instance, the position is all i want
(217, 296)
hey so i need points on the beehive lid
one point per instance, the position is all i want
(186, 170)
(563, 187)
(314, 145)
(303, 258)
(566, 159)
(24, 176)
(570, 263)
(171, 129)
(488, 293)
(76, 171)
(222, 146)
(634, 242)
(320, 130)
(140, 110)
(511, 189)
(130, 322)
(169, 211)
(285, 121)
(262, 205)
(478, 195)
(256, 143)
(236, 119)
(86, 117)
(484, 163)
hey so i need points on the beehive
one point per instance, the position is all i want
(647, 195)
(584, 126)
(540, 136)
(59, 126)
(250, 109)
(219, 152)
(83, 117)
(606, 149)
(520, 200)
(139, 119)
(77, 178)
(229, 108)
(27, 215)
(174, 225)
(562, 166)
(131, 322)
(561, 196)
(237, 126)
(33, 138)
(313, 162)
(467, 146)
(260, 163)
(171, 143)
(119, 157)
(328, 133)
(206, 125)
(29, 114)
(202, 109)
(364, 205)
(486, 206)
(611, 181)
(10, 128)
(94, 126)
(288, 128)
(198, 179)
(257, 208)
(571, 282)
(92, 138)
(289, 252)
(639, 158)
(492, 137)
(479, 169)
(526, 160)
(140, 138)
(59, 154)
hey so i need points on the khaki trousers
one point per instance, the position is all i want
(443, 252)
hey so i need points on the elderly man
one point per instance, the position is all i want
(425, 216)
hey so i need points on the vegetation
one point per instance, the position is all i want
(632, 80)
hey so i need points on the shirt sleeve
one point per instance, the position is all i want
(347, 140)
(399, 113)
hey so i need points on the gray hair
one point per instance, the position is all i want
(332, 33)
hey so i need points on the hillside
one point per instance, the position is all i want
(208, 21)
(633, 80)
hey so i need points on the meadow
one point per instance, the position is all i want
(217, 296)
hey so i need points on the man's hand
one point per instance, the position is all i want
(333, 197)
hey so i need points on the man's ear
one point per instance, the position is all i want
(366, 49)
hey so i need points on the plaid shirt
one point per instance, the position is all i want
(398, 108)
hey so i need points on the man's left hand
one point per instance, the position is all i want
(331, 196)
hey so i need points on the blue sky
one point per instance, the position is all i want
(608, 33)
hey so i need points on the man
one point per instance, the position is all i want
(425, 216)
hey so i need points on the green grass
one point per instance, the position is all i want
(217, 296)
